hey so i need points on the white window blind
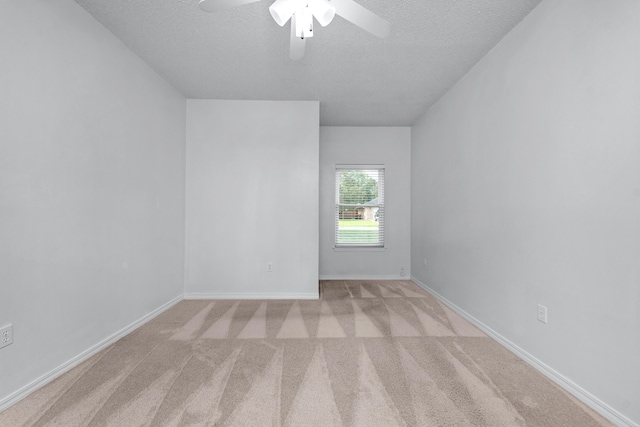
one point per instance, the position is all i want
(359, 211)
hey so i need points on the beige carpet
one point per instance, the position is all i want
(366, 354)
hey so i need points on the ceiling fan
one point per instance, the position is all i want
(302, 12)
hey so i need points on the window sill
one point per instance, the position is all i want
(359, 249)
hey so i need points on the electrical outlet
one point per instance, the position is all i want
(270, 267)
(542, 313)
(424, 261)
(6, 335)
(402, 270)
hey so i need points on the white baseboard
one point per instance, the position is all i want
(250, 295)
(75, 361)
(587, 398)
(330, 277)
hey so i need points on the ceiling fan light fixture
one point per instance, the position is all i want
(303, 23)
(282, 10)
(322, 11)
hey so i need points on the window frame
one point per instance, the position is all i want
(360, 246)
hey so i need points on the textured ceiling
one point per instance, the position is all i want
(359, 79)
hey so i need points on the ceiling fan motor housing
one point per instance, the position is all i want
(283, 10)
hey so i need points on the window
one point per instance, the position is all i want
(359, 214)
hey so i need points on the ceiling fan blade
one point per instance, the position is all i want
(296, 50)
(216, 5)
(362, 17)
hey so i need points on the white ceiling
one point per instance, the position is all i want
(359, 79)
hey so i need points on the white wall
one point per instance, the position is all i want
(92, 152)
(252, 199)
(390, 146)
(526, 190)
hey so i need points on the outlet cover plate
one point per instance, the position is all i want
(6, 335)
(542, 313)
